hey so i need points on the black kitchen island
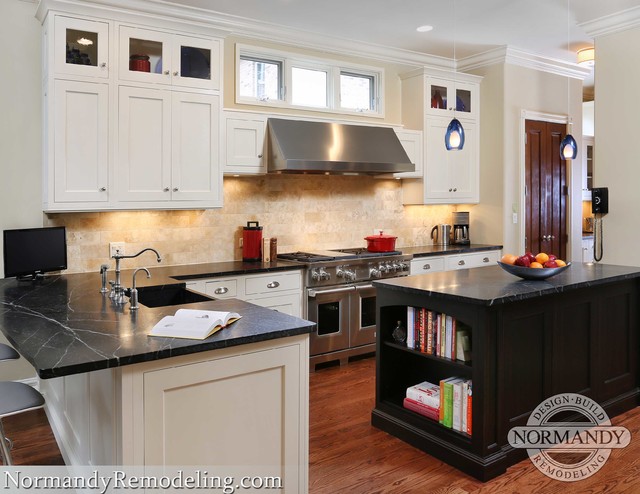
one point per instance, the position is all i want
(576, 332)
(115, 396)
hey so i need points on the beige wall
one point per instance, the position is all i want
(616, 127)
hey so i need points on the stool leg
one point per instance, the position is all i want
(4, 447)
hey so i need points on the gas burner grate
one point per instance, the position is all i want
(360, 252)
(304, 257)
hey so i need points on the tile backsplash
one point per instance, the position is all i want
(302, 211)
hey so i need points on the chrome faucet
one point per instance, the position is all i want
(117, 290)
(134, 290)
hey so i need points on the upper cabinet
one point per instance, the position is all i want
(411, 141)
(430, 100)
(244, 143)
(158, 57)
(131, 113)
(81, 47)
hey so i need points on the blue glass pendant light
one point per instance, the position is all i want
(454, 138)
(568, 148)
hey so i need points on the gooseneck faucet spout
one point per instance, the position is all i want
(117, 289)
(134, 288)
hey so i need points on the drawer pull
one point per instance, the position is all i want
(426, 266)
(273, 284)
(221, 290)
(461, 262)
(486, 259)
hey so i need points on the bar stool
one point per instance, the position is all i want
(15, 398)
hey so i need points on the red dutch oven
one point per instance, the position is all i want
(381, 243)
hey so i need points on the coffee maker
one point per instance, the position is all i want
(461, 228)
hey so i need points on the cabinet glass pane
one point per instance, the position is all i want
(195, 62)
(463, 100)
(329, 318)
(438, 97)
(82, 47)
(145, 55)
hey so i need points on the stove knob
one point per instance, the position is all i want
(396, 267)
(315, 275)
(374, 273)
(404, 266)
(323, 274)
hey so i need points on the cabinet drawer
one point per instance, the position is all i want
(222, 288)
(477, 260)
(427, 265)
(272, 283)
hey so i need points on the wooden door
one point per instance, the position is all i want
(546, 189)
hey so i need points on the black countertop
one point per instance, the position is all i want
(492, 285)
(439, 250)
(63, 325)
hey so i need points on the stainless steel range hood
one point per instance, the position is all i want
(296, 146)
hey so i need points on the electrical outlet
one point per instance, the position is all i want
(116, 248)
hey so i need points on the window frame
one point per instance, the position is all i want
(334, 70)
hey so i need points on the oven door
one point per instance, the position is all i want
(363, 315)
(329, 309)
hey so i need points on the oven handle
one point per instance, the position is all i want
(312, 293)
(364, 287)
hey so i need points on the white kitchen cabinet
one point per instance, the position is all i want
(168, 148)
(422, 265)
(411, 141)
(587, 167)
(80, 47)
(281, 291)
(449, 177)
(244, 143)
(428, 264)
(77, 157)
(177, 60)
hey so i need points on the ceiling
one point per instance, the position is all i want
(534, 26)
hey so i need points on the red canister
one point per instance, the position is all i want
(139, 63)
(252, 242)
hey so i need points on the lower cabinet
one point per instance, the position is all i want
(587, 249)
(281, 291)
(242, 410)
(428, 264)
(578, 341)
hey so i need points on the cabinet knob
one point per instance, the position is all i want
(450, 190)
(426, 266)
(273, 284)
(221, 290)
(103, 189)
(166, 189)
(175, 73)
(455, 189)
(166, 72)
(103, 65)
(259, 156)
(461, 262)
(486, 259)
(175, 189)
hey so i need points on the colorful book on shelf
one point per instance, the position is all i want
(429, 347)
(426, 393)
(193, 324)
(423, 335)
(448, 336)
(443, 334)
(465, 404)
(469, 408)
(454, 337)
(463, 344)
(411, 336)
(420, 408)
(447, 417)
(457, 406)
(436, 334)
(442, 387)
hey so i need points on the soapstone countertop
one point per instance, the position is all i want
(492, 285)
(63, 325)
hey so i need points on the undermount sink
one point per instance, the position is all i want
(169, 296)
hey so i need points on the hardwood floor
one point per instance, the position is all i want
(347, 454)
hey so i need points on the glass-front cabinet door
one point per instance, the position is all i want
(81, 47)
(444, 96)
(164, 58)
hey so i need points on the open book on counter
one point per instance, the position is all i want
(193, 324)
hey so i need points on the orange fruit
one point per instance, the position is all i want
(560, 263)
(535, 264)
(542, 258)
(508, 259)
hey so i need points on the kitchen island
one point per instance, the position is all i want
(575, 332)
(116, 396)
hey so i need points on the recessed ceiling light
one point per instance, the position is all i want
(424, 29)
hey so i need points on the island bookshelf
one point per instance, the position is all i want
(524, 350)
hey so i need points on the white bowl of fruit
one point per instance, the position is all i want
(533, 267)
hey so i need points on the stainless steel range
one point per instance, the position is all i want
(341, 300)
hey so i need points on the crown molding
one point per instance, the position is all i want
(513, 56)
(614, 23)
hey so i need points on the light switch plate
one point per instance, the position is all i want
(116, 248)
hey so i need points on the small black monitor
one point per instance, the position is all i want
(31, 252)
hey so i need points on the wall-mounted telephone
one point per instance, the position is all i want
(599, 207)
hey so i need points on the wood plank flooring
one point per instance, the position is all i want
(347, 454)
